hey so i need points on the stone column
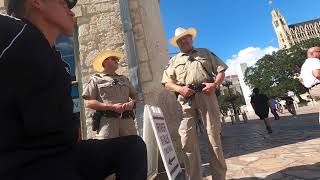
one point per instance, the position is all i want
(100, 29)
(152, 50)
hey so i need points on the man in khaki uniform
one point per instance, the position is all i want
(190, 75)
(112, 94)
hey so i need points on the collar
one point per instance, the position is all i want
(107, 74)
(312, 59)
(194, 50)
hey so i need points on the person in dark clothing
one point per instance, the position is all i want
(260, 105)
(289, 105)
(40, 137)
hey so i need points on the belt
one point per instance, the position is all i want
(196, 87)
(314, 85)
(125, 114)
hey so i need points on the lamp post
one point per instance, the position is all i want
(231, 98)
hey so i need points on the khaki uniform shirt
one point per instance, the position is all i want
(109, 89)
(193, 68)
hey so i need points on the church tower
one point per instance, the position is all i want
(282, 29)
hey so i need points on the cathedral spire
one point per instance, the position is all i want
(281, 28)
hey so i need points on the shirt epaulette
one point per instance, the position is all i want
(97, 75)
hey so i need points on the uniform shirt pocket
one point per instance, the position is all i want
(106, 90)
(180, 72)
(205, 63)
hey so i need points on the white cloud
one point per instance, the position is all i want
(249, 55)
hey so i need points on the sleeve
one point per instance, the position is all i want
(315, 65)
(133, 94)
(217, 63)
(91, 90)
(168, 73)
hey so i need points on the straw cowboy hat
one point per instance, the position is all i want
(180, 32)
(97, 62)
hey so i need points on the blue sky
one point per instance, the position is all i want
(233, 28)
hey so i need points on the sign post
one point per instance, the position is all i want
(163, 138)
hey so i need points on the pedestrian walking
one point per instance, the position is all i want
(190, 75)
(289, 105)
(260, 105)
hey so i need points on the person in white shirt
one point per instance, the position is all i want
(310, 72)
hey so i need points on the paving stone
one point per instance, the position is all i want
(292, 152)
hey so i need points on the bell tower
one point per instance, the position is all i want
(282, 30)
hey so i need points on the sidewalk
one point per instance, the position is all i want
(291, 152)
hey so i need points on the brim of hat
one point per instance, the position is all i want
(190, 31)
(97, 62)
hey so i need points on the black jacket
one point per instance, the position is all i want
(35, 100)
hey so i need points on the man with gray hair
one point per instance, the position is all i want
(194, 74)
(40, 139)
(310, 72)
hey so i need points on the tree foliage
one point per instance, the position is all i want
(274, 74)
(224, 104)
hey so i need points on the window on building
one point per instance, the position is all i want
(276, 23)
(65, 45)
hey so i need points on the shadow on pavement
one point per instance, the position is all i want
(292, 173)
(244, 138)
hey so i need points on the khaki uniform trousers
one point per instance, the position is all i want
(315, 92)
(115, 127)
(207, 106)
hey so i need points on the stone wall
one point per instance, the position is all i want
(152, 49)
(99, 29)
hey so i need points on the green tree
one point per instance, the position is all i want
(224, 104)
(274, 74)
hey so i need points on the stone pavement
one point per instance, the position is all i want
(292, 152)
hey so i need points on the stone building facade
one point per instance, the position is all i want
(289, 35)
(100, 28)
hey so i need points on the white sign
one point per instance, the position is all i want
(151, 143)
(164, 142)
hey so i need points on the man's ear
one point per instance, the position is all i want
(35, 4)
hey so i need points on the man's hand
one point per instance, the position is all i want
(128, 106)
(118, 108)
(185, 91)
(210, 87)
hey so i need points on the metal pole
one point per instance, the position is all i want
(133, 61)
(83, 123)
